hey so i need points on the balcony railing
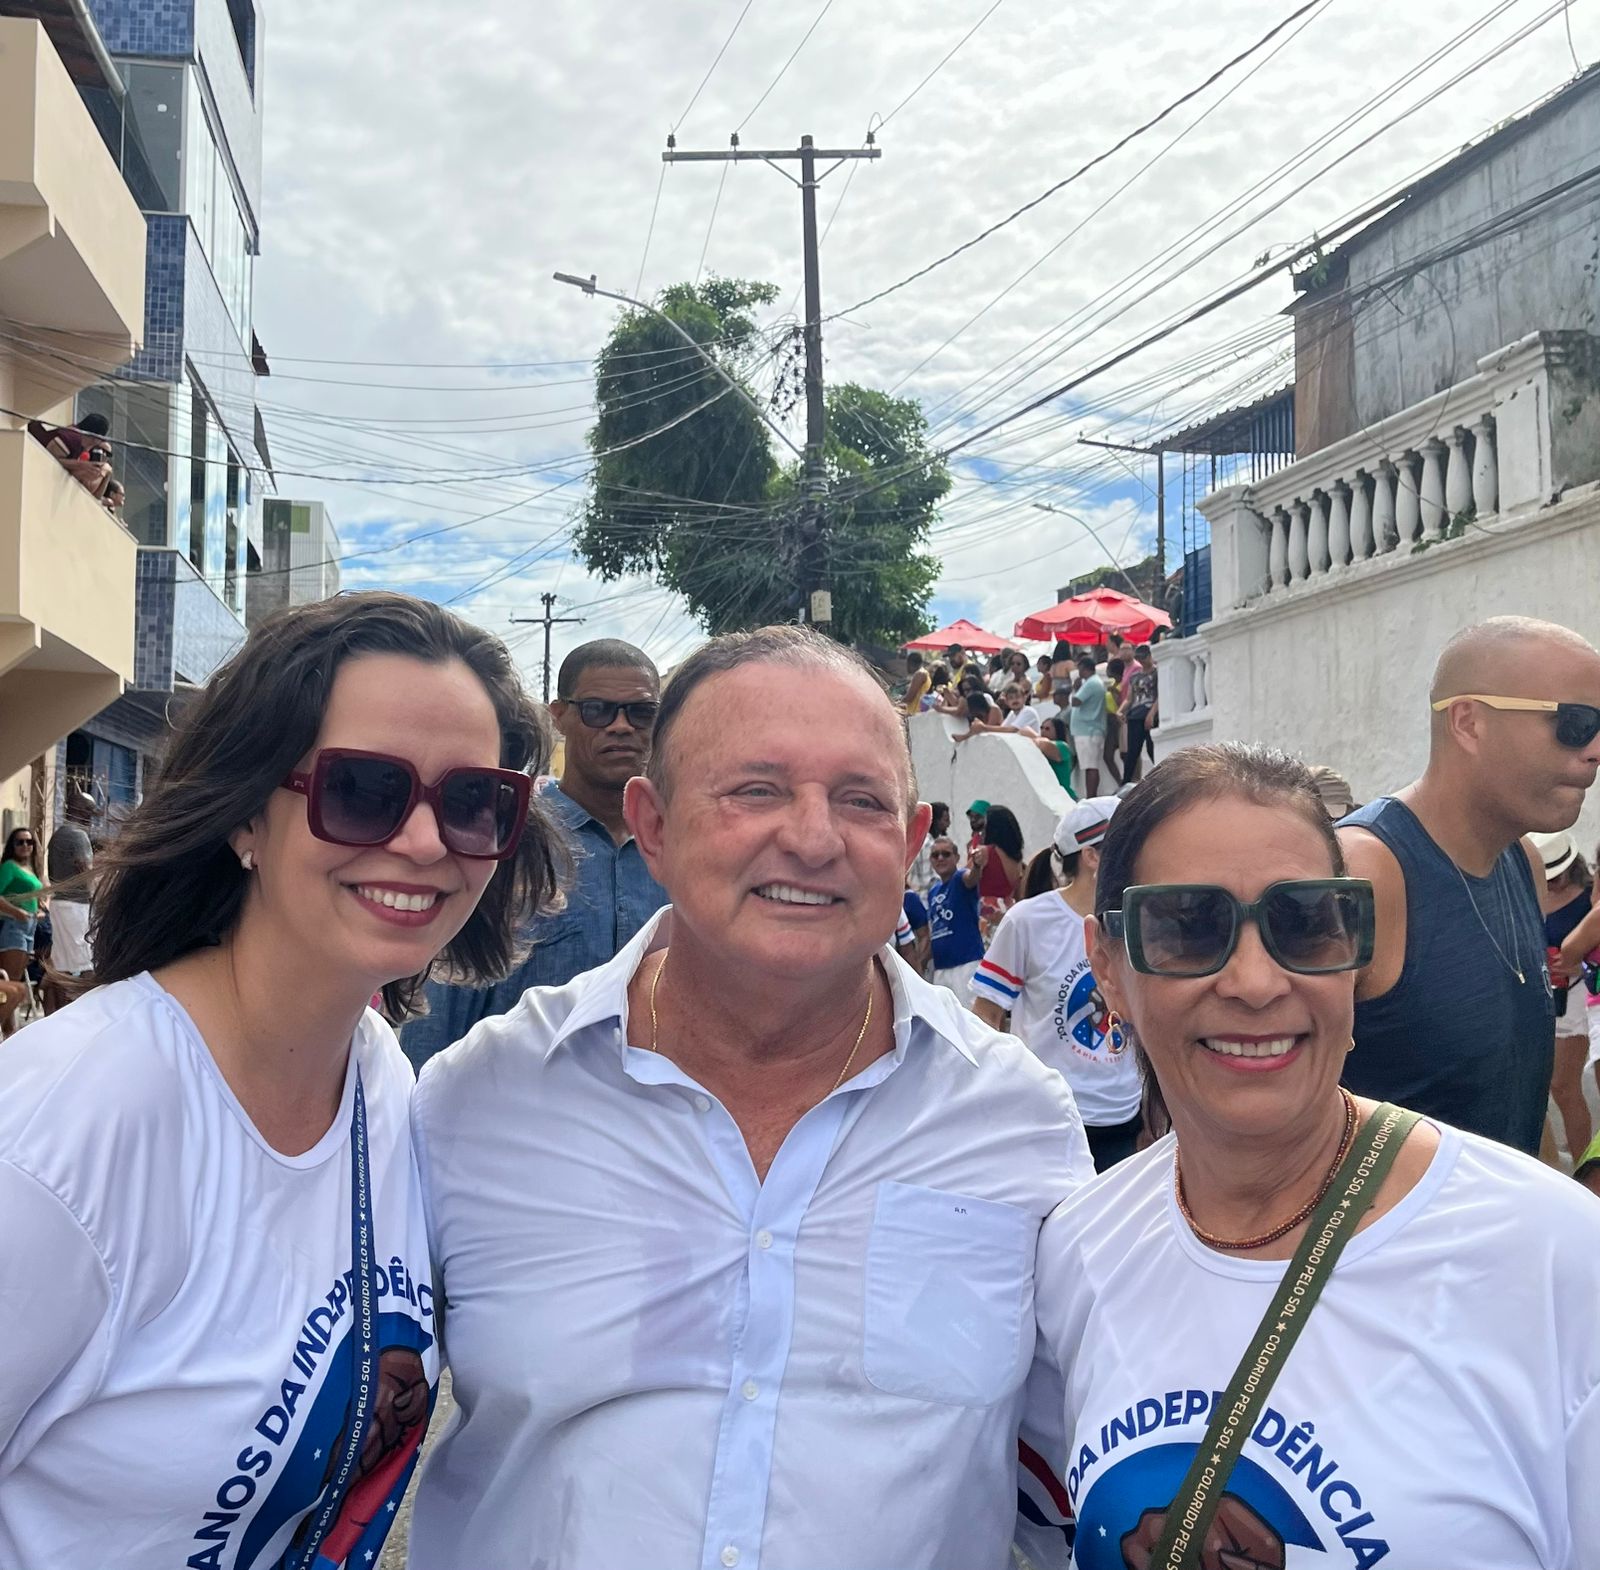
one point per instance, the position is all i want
(1519, 431)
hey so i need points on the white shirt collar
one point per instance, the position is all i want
(603, 997)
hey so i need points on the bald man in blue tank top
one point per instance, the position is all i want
(1455, 1016)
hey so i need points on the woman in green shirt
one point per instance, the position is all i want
(19, 915)
(1056, 745)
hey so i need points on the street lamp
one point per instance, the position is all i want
(589, 286)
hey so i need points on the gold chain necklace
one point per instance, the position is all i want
(1239, 1246)
(861, 1035)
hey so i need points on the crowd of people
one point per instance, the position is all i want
(788, 1183)
(1091, 711)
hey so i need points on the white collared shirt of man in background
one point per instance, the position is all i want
(661, 1362)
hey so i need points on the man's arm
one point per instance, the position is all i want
(1366, 856)
(990, 1013)
(1583, 939)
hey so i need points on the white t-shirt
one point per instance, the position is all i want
(1442, 1405)
(176, 1301)
(1038, 968)
(1027, 715)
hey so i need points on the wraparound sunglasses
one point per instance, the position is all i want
(1311, 926)
(1577, 724)
(365, 798)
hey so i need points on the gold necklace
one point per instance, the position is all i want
(861, 1035)
(1240, 1245)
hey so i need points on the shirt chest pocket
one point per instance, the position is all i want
(949, 1295)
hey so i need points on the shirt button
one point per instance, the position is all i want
(750, 1390)
(763, 1239)
(730, 1556)
(702, 1103)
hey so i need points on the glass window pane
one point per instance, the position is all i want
(152, 155)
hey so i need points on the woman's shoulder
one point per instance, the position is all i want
(114, 1053)
(1523, 1202)
(1122, 1203)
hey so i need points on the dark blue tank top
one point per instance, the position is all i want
(1458, 1037)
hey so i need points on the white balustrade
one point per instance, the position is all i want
(1432, 493)
(1339, 524)
(1503, 440)
(1385, 534)
(1361, 537)
(1278, 550)
(1485, 469)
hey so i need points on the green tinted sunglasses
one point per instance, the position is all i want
(1311, 926)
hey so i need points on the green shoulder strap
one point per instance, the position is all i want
(1355, 1185)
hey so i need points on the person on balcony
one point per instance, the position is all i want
(83, 450)
(1455, 1016)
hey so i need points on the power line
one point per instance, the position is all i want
(816, 23)
(655, 207)
(965, 37)
(1099, 158)
(710, 68)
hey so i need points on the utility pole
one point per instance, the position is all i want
(810, 542)
(547, 621)
(1159, 588)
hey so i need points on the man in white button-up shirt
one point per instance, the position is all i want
(737, 1232)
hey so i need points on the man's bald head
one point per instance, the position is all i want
(1509, 760)
(1503, 649)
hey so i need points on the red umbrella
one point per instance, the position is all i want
(974, 639)
(1089, 617)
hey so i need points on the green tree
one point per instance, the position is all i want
(687, 487)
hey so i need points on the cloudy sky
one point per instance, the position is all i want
(429, 165)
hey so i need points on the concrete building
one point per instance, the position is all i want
(299, 558)
(72, 279)
(1447, 419)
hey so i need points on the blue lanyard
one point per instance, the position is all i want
(363, 1358)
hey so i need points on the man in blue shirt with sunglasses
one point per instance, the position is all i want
(609, 692)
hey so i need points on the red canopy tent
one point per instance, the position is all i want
(971, 638)
(1087, 618)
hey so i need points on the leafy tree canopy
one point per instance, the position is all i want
(687, 485)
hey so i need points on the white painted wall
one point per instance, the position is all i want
(1339, 674)
(1007, 771)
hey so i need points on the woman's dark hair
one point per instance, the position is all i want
(1047, 869)
(940, 675)
(1191, 776)
(10, 852)
(1054, 729)
(172, 883)
(1001, 829)
(1577, 875)
(1062, 651)
(978, 704)
(1115, 668)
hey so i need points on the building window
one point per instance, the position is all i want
(152, 136)
(199, 419)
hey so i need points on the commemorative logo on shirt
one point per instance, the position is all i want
(262, 1512)
(1288, 1504)
(1083, 1018)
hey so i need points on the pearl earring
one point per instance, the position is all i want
(247, 860)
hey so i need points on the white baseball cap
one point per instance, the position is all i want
(1084, 823)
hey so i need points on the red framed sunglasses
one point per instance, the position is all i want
(365, 798)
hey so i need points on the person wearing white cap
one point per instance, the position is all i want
(1567, 880)
(1037, 970)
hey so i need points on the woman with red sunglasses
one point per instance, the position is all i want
(215, 1292)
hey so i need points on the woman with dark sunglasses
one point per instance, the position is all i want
(1432, 1396)
(215, 1292)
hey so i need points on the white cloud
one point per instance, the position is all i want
(428, 167)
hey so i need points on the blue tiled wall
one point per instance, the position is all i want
(146, 27)
(166, 251)
(184, 631)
